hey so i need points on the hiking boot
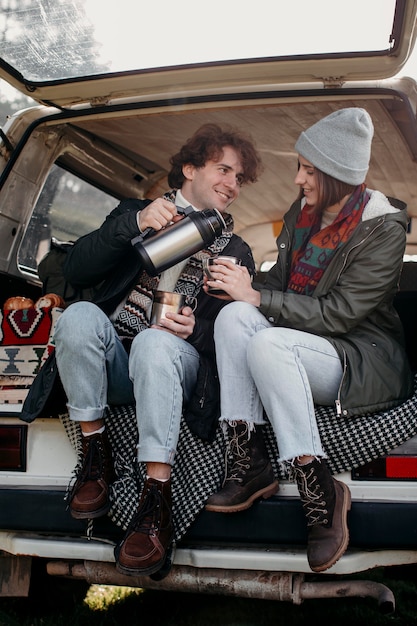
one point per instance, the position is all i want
(326, 502)
(249, 473)
(147, 541)
(89, 497)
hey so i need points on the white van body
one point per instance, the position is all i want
(90, 141)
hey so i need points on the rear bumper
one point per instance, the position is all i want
(239, 558)
(269, 536)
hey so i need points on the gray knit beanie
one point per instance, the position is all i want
(339, 144)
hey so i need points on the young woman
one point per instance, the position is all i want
(321, 330)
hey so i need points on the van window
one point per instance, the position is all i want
(43, 44)
(67, 208)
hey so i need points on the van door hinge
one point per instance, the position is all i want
(332, 82)
(99, 101)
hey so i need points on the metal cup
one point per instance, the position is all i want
(165, 301)
(208, 263)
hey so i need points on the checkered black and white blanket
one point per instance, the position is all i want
(199, 466)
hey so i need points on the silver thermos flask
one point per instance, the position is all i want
(178, 241)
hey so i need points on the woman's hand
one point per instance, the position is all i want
(234, 279)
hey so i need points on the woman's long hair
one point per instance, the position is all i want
(330, 190)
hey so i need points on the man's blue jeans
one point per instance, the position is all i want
(158, 375)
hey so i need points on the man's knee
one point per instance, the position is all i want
(76, 321)
(150, 344)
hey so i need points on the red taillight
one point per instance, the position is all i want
(13, 440)
(391, 467)
(401, 466)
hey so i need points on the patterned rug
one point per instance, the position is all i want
(198, 469)
(26, 339)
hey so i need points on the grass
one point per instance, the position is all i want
(117, 606)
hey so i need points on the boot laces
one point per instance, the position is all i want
(93, 466)
(147, 519)
(238, 452)
(312, 497)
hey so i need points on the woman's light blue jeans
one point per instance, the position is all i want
(158, 375)
(281, 370)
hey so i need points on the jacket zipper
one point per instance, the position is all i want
(338, 403)
(203, 397)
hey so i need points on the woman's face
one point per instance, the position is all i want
(306, 179)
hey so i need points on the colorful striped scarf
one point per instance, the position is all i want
(313, 248)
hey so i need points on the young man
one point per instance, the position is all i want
(107, 353)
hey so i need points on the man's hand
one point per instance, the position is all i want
(180, 324)
(157, 215)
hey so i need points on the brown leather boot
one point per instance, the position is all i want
(249, 475)
(326, 502)
(144, 548)
(89, 497)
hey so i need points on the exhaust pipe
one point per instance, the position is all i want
(281, 586)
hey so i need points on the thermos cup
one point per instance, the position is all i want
(170, 301)
(178, 241)
(209, 262)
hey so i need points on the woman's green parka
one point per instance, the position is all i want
(352, 306)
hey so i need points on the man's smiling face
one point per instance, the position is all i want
(215, 185)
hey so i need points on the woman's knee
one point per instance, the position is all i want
(231, 317)
(260, 345)
(233, 310)
(268, 350)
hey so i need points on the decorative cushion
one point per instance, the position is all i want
(26, 339)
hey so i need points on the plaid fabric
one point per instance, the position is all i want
(198, 469)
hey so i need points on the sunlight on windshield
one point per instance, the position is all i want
(225, 30)
(73, 38)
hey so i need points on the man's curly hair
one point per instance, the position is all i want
(207, 144)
